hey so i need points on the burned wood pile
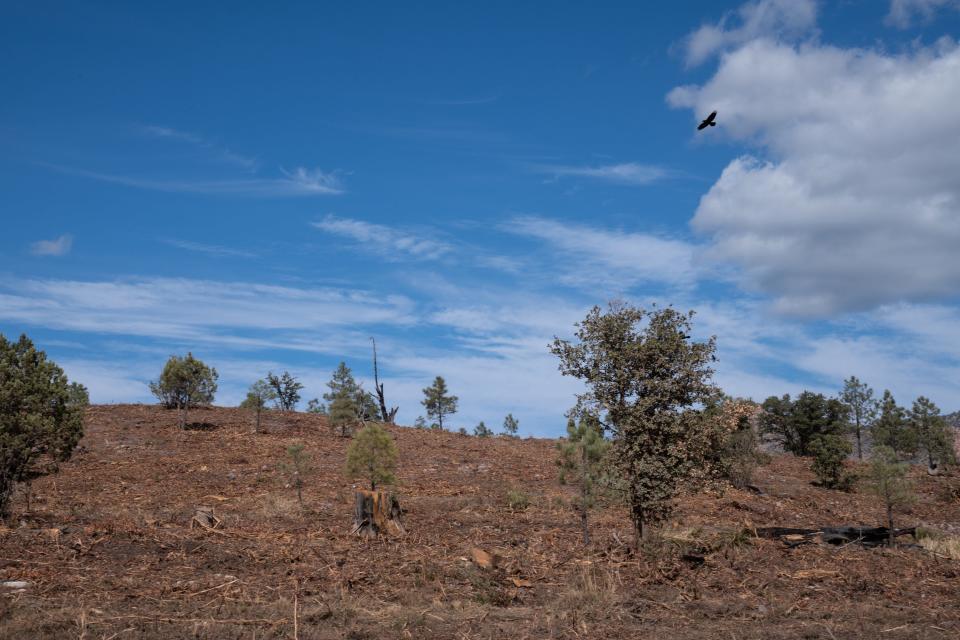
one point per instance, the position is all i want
(863, 536)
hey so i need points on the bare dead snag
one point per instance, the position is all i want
(391, 415)
(376, 513)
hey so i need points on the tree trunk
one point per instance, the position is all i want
(376, 513)
(859, 442)
(890, 520)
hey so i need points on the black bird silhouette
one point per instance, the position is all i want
(708, 122)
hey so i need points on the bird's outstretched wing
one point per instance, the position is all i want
(708, 121)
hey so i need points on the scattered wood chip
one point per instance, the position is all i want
(520, 582)
(482, 559)
(814, 574)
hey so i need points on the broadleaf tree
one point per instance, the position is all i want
(645, 378)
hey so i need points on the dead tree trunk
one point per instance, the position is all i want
(376, 513)
(387, 416)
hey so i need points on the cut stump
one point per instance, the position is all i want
(376, 513)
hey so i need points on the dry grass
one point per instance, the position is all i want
(940, 543)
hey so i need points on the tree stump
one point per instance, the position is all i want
(203, 517)
(376, 513)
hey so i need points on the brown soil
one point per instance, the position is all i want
(109, 551)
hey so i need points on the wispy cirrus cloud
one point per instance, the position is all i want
(219, 151)
(57, 247)
(626, 173)
(297, 183)
(386, 241)
(211, 249)
(621, 258)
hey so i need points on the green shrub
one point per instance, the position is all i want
(829, 452)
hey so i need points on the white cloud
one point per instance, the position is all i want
(387, 241)
(299, 182)
(57, 247)
(211, 249)
(857, 204)
(220, 152)
(903, 12)
(590, 256)
(628, 173)
(232, 314)
(759, 19)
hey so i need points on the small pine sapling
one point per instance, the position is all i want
(887, 479)
(580, 456)
(482, 430)
(258, 395)
(510, 425)
(373, 456)
(829, 452)
(297, 468)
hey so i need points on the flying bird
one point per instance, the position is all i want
(710, 121)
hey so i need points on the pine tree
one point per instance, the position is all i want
(287, 390)
(184, 383)
(510, 425)
(373, 456)
(798, 423)
(934, 436)
(345, 390)
(892, 428)
(888, 481)
(342, 413)
(645, 377)
(41, 414)
(436, 401)
(257, 397)
(581, 455)
(861, 408)
(482, 431)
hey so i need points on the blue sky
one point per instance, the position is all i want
(270, 186)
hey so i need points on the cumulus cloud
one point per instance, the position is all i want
(57, 247)
(628, 173)
(763, 18)
(384, 240)
(852, 199)
(904, 12)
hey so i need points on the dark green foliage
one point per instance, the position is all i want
(258, 395)
(644, 376)
(892, 428)
(861, 408)
(286, 389)
(798, 423)
(829, 451)
(888, 481)
(437, 403)
(40, 412)
(373, 456)
(185, 382)
(78, 394)
(510, 425)
(315, 406)
(421, 423)
(343, 414)
(349, 396)
(482, 431)
(934, 437)
(581, 455)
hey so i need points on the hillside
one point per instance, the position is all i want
(108, 549)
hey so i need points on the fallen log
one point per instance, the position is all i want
(864, 536)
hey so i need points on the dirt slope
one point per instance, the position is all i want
(109, 552)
